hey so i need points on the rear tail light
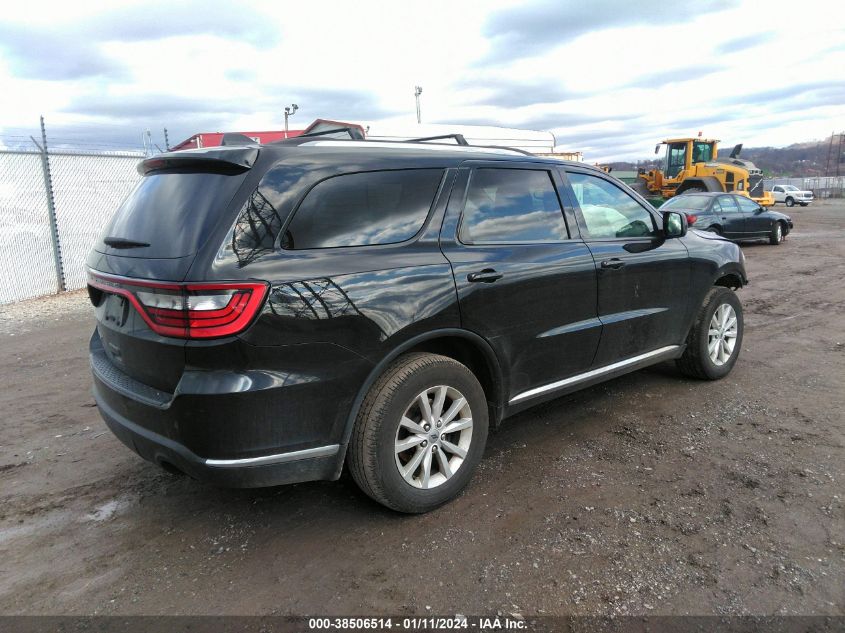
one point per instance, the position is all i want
(188, 310)
(691, 218)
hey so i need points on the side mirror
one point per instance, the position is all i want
(657, 149)
(674, 224)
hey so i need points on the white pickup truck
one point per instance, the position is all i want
(791, 195)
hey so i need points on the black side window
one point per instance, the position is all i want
(725, 204)
(746, 204)
(363, 209)
(506, 206)
(608, 211)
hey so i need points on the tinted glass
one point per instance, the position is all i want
(172, 212)
(511, 205)
(746, 204)
(687, 202)
(608, 211)
(701, 152)
(676, 158)
(725, 204)
(382, 207)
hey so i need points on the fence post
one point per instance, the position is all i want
(51, 207)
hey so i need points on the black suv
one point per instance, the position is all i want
(267, 314)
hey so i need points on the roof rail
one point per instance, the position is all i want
(354, 133)
(512, 149)
(459, 139)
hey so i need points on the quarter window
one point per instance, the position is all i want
(363, 209)
(608, 211)
(506, 206)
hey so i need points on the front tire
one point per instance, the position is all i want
(420, 433)
(776, 236)
(715, 339)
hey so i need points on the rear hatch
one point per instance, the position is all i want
(144, 313)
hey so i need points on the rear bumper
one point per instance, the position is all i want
(245, 428)
(269, 470)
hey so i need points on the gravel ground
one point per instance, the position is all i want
(650, 494)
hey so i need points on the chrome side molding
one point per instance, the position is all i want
(572, 380)
(278, 458)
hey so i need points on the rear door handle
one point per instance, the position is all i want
(614, 263)
(486, 276)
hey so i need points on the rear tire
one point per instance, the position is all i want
(776, 236)
(790, 202)
(715, 339)
(436, 465)
(714, 229)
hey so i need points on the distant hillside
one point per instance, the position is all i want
(797, 160)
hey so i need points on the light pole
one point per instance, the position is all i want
(289, 111)
(417, 93)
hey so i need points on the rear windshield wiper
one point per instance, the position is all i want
(122, 242)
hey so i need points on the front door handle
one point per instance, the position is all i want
(614, 263)
(486, 276)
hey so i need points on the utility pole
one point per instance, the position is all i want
(417, 93)
(829, 154)
(289, 112)
(166, 141)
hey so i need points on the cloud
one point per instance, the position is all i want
(811, 94)
(155, 20)
(742, 43)
(74, 50)
(557, 120)
(328, 103)
(123, 115)
(529, 29)
(672, 76)
(151, 106)
(504, 93)
(54, 55)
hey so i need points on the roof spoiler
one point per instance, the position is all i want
(233, 138)
(229, 160)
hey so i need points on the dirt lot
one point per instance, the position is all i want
(650, 494)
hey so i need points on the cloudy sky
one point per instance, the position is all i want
(608, 77)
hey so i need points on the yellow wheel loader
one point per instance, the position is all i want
(693, 164)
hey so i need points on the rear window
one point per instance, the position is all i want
(363, 209)
(172, 212)
(687, 202)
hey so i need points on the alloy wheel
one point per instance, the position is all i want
(722, 335)
(433, 437)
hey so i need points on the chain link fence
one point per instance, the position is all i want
(52, 208)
